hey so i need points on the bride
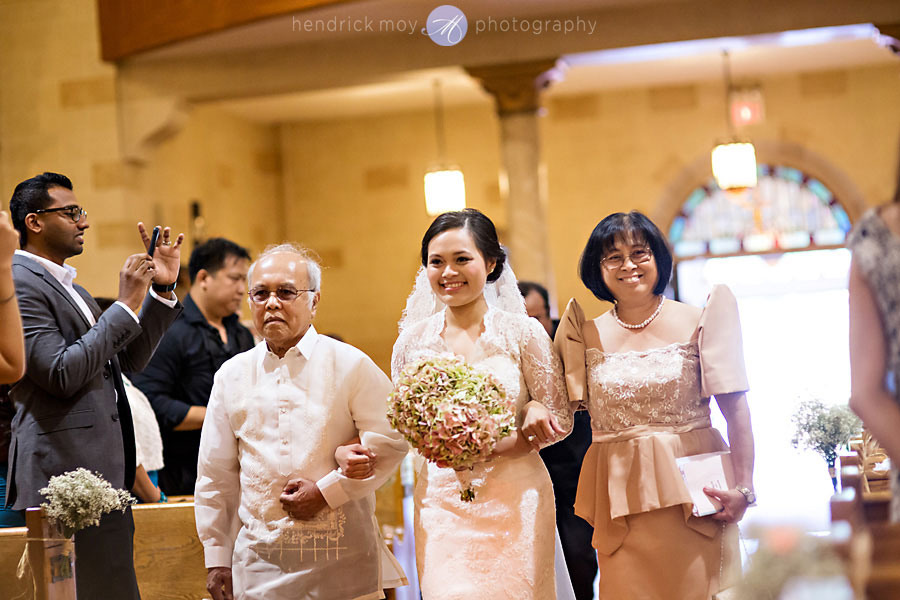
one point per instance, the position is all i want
(466, 304)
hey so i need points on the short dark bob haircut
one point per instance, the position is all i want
(617, 226)
(479, 226)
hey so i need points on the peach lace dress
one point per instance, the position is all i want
(501, 545)
(647, 409)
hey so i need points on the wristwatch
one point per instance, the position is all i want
(163, 289)
(749, 494)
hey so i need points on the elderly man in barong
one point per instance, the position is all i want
(276, 518)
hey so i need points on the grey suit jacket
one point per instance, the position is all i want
(71, 407)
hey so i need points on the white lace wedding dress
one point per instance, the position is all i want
(501, 545)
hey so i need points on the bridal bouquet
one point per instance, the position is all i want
(452, 414)
(77, 499)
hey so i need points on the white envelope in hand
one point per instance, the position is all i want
(711, 470)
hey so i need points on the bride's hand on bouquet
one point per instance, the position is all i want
(355, 460)
(539, 427)
(734, 504)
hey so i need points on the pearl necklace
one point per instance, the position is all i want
(647, 321)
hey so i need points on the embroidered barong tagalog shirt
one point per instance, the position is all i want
(271, 420)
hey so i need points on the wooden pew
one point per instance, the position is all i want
(883, 582)
(875, 506)
(12, 545)
(168, 557)
(846, 505)
(872, 549)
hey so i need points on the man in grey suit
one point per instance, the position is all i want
(70, 408)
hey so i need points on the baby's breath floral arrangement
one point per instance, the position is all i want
(452, 414)
(77, 499)
(824, 429)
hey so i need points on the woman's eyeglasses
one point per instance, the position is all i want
(615, 261)
(284, 294)
(74, 212)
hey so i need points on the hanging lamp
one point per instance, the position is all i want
(445, 186)
(733, 161)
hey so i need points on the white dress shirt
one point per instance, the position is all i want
(270, 420)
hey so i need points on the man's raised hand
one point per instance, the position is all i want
(166, 257)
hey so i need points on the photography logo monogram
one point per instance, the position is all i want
(446, 25)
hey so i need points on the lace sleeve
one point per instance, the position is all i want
(543, 374)
(399, 355)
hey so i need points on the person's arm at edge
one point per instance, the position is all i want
(143, 487)
(12, 338)
(869, 399)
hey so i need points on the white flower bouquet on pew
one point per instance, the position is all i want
(77, 499)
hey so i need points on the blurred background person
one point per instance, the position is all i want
(563, 461)
(537, 305)
(179, 378)
(875, 329)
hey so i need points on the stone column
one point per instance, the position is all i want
(516, 89)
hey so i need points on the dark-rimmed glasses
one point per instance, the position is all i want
(638, 256)
(74, 212)
(284, 294)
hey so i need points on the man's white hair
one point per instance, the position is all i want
(313, 268)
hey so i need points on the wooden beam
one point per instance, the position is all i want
(131, 26)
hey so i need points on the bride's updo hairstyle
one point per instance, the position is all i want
(479, 227)
(622, 226)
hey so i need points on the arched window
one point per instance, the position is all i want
(779, 248)
(788, 210)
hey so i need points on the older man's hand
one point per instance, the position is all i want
(302, 499)
(218, 583)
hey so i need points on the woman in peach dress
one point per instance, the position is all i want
(646, 371)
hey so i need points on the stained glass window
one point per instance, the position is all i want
(787, 210)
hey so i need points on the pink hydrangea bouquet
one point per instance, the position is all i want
(451, 413)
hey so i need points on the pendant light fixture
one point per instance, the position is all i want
(734, 161)
(445, 186)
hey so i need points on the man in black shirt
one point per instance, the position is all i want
(180, 376)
